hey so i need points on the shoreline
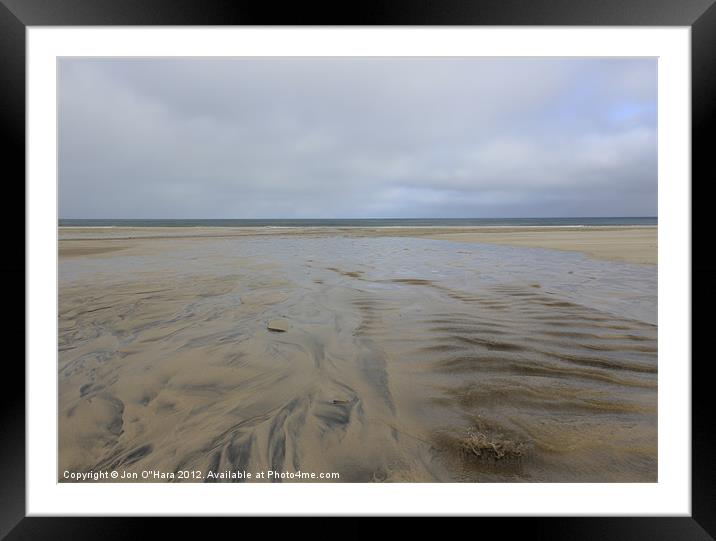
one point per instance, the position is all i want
(629, 243)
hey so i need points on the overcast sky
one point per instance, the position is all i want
(357, 137)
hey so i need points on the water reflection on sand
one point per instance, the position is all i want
(404, 360)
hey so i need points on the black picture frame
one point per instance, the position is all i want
(699, 15)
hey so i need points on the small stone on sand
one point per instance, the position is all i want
(279, 325)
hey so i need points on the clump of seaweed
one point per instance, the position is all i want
(490, 446)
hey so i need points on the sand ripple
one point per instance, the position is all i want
(405, 360)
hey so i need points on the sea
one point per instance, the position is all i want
(362, 222)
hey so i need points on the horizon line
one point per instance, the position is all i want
(384, 218)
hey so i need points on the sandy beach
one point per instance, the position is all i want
(631, 244)
(424, 354)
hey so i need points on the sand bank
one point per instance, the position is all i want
(629, 244)
(633, 245)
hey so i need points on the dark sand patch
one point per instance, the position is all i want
(66, 250)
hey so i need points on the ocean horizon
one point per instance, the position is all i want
(358, 222)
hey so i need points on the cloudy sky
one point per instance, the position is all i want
(357, 137)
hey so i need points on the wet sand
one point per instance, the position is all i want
(406, 358)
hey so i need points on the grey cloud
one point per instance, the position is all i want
(356, 137)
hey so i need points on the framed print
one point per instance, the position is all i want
(428, 261)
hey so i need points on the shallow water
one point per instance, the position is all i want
(405, 360)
